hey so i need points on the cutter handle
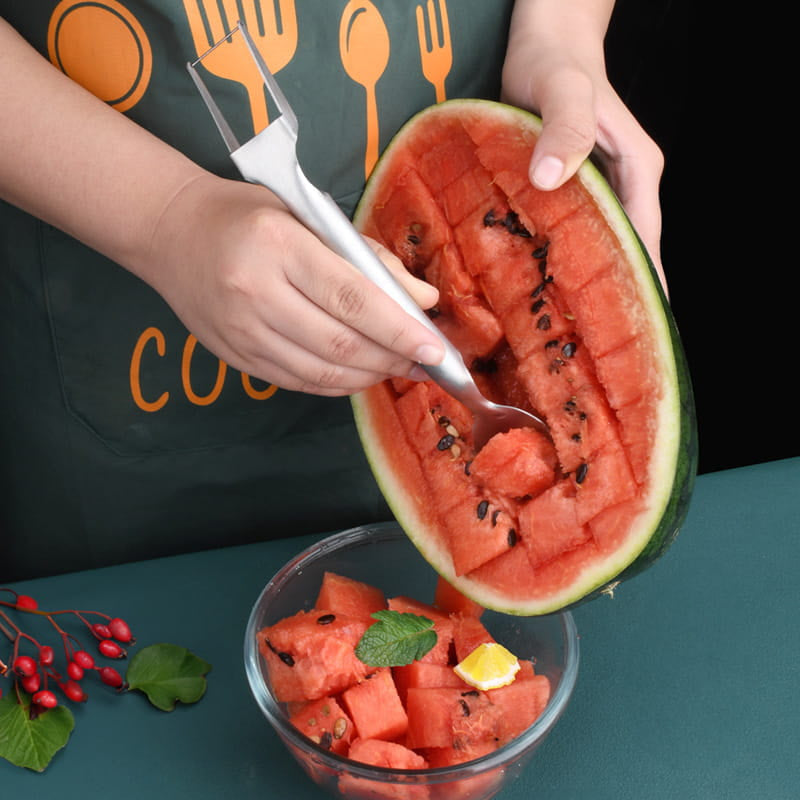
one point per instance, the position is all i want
(270, 160)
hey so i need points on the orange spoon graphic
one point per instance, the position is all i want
(364, 50)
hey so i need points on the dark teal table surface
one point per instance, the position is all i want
(688, 686)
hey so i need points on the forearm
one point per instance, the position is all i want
(69, 159)
(563, 25)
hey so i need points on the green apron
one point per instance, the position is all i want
(122, 438)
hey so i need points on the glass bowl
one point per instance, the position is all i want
(383, 556)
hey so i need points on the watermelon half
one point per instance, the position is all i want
(555, 306)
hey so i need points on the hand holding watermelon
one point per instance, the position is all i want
(555, 67)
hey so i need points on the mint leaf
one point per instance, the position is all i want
(168, 674)
(396, 639)
(32, 743)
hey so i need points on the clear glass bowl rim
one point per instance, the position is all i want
(376, 532)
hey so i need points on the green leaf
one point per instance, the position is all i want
(32, 743)
(168, 674)
(396, 639)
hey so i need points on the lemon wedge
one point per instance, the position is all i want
(488, 666)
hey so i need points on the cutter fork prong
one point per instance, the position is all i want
(278, 97)
(228, 136)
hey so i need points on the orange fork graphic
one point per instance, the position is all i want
(273, 26)
(435, 48)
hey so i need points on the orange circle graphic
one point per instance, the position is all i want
(103, 47)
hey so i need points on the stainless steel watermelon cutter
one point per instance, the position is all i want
(270, 159)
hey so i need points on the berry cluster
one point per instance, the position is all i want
(32, 665)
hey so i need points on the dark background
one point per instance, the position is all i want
(731, 294)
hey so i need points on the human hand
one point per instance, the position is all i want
(555, 67)
(265, 295)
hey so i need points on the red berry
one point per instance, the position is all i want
(111, 677)
(45, 698)
(83, 659)
(110, 649)
(24, 666)
(32, 683)
(26, 602)
(46, 655)
(74, 692)
(120, 630)
(101, 631)
(75, 671)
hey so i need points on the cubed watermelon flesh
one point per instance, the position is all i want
(556, 308)
(406, 717)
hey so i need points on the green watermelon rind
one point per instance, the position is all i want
(675, 457)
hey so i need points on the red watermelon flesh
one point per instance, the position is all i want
(555, 308)
(425, 675)
(326, 723)
(309, 659)
(396, 717)
(375, 707)
(442, 624)
(343, 595)
(448, 599)
(448, 717)
(390, 755)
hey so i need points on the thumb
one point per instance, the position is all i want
(569, 131)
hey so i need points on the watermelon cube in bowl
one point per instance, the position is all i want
(298, 663)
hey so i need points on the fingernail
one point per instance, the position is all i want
(547, 173)
(429, 354)
(418, 374)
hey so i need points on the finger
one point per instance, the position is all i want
(330, 340)
(569, 129)
(346, 295)
(425, 295)
(634, 165)
(289, 365)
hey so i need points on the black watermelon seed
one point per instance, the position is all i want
(483, 507)
(568, 350)
(541, 252)
(285, 657)
(543, 323)
(446, 442)
(464, 707)
(539, 289)
(514, 226)
(580, 473)
(326, 619)
(471, 693)
(444, 421)
(495, 515)
(576, 437)
(551, 343)
(512, 537)
(538, 305)
(467, 465)
(326, 740)
(489, 218)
